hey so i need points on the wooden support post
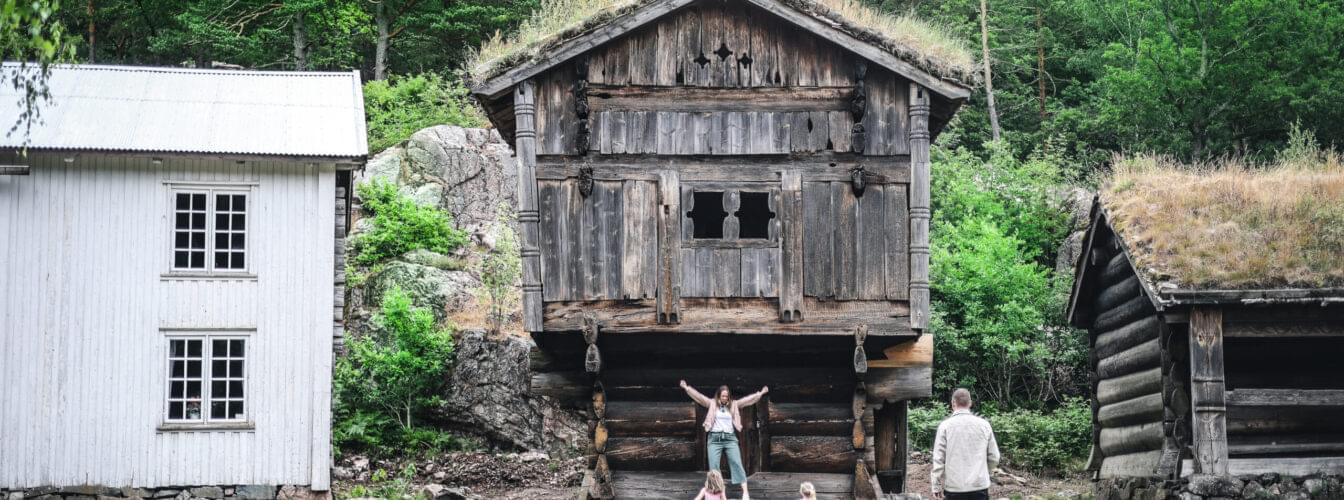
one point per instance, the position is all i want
(890, 446)
(1169, 466)
(1208, 390)
(791, 248)
(581, 109)
(763, 423)
(860, 356)
(669, 248)
(529, 219)
(919, 207)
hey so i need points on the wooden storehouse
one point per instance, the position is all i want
(727, 192)
(1216, 323)
(171, 280)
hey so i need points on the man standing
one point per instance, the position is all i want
(963, 453)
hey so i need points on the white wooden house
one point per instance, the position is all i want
(170, 276)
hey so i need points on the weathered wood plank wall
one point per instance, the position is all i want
(84, 310)
(667, 89)
(855, 246)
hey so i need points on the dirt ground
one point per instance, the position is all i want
(520, 477)
(1007, 484)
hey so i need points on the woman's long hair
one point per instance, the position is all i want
(722, 389)
(714, 482)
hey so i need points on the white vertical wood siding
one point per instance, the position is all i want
(83, 246)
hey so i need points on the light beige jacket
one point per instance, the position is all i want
(713, 405)
(964, 452)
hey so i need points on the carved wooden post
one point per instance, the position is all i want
(524, 108)
(581, 109)
(919, 207)
(592, 363)
(858, 106)
(865, 484)
(1208, 390)
(890, 446)
(791, 248)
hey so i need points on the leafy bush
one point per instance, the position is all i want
(1055, 441)
(997, 310)
(399, 106)
(392, 378)
(401, 225)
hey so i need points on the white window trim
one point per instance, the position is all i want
(206, 422)
(247, 189)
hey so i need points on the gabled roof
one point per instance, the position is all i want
(813, 16)
(192, 111)
(1236, 235)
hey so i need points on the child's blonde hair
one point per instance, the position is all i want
(807, 490)
(714, 482)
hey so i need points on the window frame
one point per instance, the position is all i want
(206, 421)
(210, 190)
(731, 191)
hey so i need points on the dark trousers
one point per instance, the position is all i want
(967, 495)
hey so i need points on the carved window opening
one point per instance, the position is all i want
(730, 215)
(754, 216)
(708, 215)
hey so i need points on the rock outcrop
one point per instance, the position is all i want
(1077, 202)
(490, 381)
(472, 175)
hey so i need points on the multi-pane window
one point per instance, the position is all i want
(210, 231)
(206, 379)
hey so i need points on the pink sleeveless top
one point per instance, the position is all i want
(713, 496)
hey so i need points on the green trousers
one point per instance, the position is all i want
(726, 442)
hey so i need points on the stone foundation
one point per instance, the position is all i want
(215, 492)
(1201, 487)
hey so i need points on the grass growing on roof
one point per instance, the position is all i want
(921, 43)
(1233, 223)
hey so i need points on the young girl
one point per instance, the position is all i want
(807, 491)
(713, 489)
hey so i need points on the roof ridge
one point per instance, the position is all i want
(172, 69)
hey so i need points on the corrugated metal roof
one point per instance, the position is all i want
(125, 108)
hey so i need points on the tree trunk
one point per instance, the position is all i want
(380, 51)
(300, 43)
(1040, 59)
(92, 39)
(989, 81)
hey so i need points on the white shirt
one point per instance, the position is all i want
(963, 454)
(723, 420)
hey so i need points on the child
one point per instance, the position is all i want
(713, 489)
(807, 491)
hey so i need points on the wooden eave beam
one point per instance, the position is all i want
(14, 169)
(639, 17)
(1081, 267)
(1323, 296)
(1285, 397)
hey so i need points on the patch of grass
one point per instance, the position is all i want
(932, 47)
(1233, 223)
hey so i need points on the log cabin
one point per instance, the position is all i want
(1216, 322)
(727, 192)
(171, 277)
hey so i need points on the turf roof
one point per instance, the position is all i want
(928, 47)
(1231, 224)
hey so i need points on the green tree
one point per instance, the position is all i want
(31, 33)
(396, 373)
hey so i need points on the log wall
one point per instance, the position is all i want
(1130, 426)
